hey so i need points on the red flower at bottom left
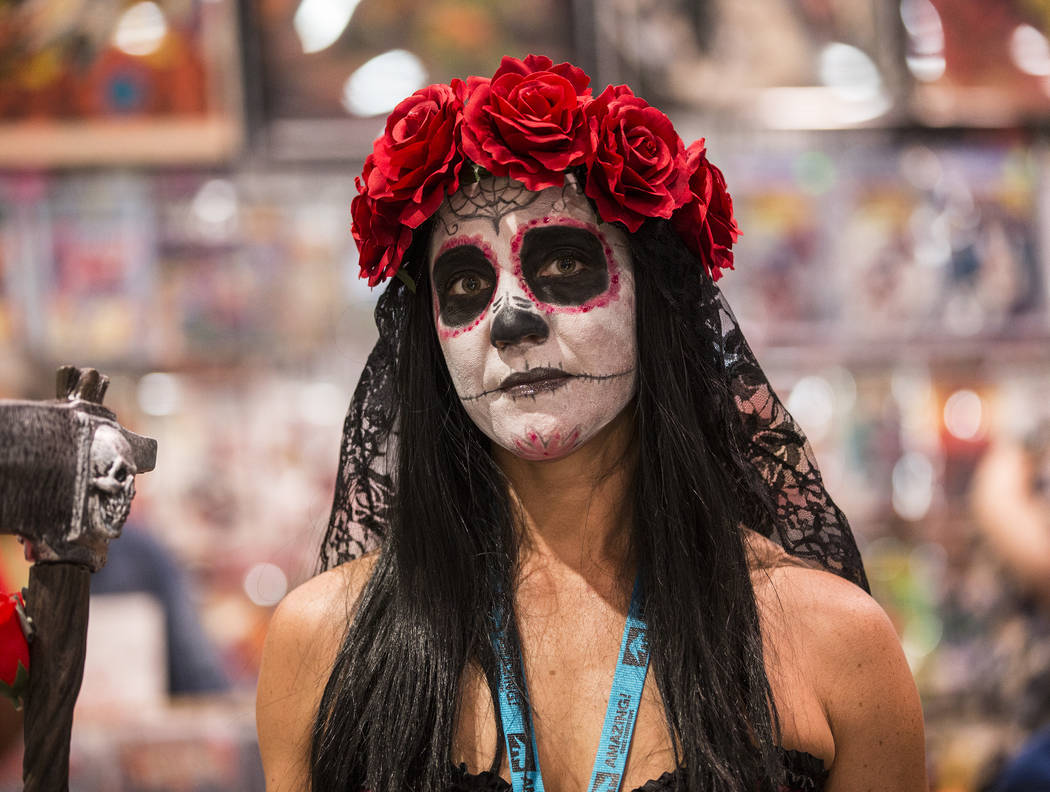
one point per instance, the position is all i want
(14, 650)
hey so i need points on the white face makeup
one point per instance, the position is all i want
(534, 310)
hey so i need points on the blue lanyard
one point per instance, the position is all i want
(620, 715)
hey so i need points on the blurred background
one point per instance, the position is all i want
(175, 177)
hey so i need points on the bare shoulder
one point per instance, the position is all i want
(323, 605)
(303, 639)
(308, 625)
(827, 605)
(824, 615)
(851, 658)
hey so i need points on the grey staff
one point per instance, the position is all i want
(67, 477)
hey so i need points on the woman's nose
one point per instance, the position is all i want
(513, 325)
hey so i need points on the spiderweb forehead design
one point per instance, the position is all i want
(492, 199)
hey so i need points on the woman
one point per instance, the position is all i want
(573, 468)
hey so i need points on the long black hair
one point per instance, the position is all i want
(388, 713)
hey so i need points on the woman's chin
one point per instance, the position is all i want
(537, 445)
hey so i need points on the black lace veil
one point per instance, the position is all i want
(808, 524)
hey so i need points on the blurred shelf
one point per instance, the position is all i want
(883, 352)
(120, 142)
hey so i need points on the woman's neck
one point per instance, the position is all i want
(576, 511)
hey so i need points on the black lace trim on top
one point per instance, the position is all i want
(803, 773)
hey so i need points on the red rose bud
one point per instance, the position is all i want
(14, 651)
(706, 224)
(638, 169)
(527, 122)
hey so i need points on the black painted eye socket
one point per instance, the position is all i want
(464, 281)
(564, 265)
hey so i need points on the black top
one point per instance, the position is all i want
(804, 773)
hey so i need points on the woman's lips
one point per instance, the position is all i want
(533, 381)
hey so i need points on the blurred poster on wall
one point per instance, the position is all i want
(332, 69)
(868, 246)
(82, 252)
(100, 81)
(945, 245)
(780, 64)
(977, 63)
(829, 64)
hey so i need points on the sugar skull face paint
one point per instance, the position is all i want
(533, 304)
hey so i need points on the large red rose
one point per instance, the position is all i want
(639, 165)
(706, 224)
(14, 650)
(417, 159)
(527, 122)
(381, 237)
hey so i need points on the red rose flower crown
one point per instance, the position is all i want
(533, 121)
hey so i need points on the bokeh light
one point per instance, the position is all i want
(141, 29)
(379, 84)
(320, 23)
(265, 584)
(912, 486)
(159, 394)
(963, 412)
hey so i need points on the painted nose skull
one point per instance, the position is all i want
(515, 320)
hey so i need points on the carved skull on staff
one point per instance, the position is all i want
(112, 483)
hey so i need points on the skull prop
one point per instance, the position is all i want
(112, 483)
(67, 471)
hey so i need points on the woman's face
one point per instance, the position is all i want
(533, 303)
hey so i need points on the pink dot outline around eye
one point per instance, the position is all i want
(445, 332)
(599, 300)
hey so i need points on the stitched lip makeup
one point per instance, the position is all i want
(533, 381)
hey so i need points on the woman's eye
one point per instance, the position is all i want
(561, 266)
(467, 285)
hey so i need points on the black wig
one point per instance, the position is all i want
(448, 549)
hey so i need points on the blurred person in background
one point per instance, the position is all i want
(139, 563)
(1012, 506)
(585, 448)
